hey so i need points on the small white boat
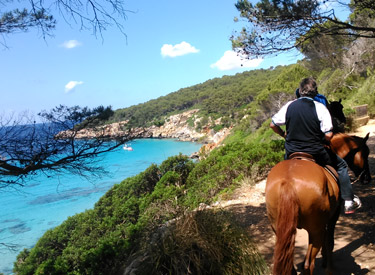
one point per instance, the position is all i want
(127, 148)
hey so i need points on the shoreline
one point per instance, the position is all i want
(175, 127)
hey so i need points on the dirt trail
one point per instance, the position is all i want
(354, 251)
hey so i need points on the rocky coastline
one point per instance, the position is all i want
(175, 126)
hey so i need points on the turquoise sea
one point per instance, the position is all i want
(44, 202)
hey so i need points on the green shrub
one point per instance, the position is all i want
(159, 123)
(227, 165)
(217, 128)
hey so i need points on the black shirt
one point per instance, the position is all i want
(303, 128)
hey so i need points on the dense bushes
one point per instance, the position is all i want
(365, 94)
(99, 240)
(216, 97)
(225, 167)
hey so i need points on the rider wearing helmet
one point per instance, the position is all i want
(308, 127)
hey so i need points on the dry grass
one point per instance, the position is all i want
(201, 242)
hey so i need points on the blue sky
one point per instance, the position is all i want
(169, 45)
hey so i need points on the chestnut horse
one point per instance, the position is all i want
(302, 194)
(355, 152)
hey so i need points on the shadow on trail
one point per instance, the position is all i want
(254, 219)
(351, 267)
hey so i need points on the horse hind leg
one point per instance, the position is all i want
(327, 250)
(315, 243)
(306, 262)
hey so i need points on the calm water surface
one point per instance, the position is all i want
(27, 212)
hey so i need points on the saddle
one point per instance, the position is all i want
(306, 156)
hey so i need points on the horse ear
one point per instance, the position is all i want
(366, 138)
(340, 100)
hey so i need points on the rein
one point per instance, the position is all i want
(358, 177)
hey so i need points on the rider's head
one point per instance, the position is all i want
(308, 88)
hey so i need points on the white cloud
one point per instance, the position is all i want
(71, 85)
(70, 44)
(177, 50)
(232, 60)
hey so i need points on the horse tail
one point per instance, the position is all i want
(286, 230)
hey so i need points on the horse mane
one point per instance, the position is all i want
(286, 230)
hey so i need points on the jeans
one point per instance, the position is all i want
(344, 179)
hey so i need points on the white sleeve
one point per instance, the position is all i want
(324, 117)
(280, 117)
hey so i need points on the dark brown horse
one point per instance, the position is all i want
(302, 194)
(355, 152)
(338, 117)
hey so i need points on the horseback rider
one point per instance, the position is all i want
(335, 109)
(319, 97)
(308, 127)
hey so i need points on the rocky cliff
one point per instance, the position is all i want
(176, 126)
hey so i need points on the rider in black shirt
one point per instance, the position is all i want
(308, 127)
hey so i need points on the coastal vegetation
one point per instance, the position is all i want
(219, 97)
(253, 95)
